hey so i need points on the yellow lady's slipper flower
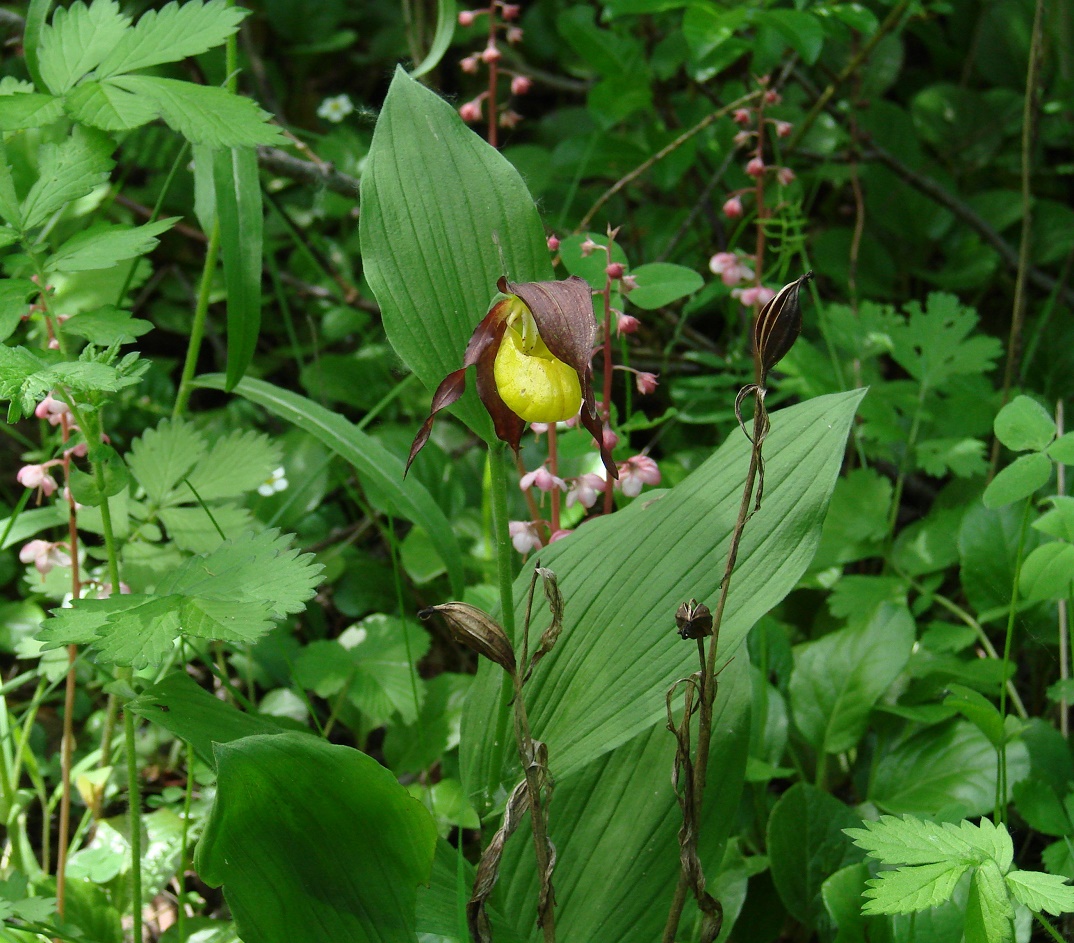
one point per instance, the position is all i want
(532, 352)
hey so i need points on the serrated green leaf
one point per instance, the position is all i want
(962, 457)
(254, 568)
(991, 840)
(33, 110)
(988, 911)
(204, 114)
(77, 40)
(224, 619)
(171, 34)
(66, 172)
(912, 841)
(192, 529)
(906, 890)
(103, 105)
(103, 245)
(107, 326)
(935, 343)
(1041, 892)
(1018, 480)
(661, 283)
(141, 636)
(1024, 424)
(9, 201)
(78, 624)
(1062, 449)
(235, 465)
(162, 457)
(238, 212)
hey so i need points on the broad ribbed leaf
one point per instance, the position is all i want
(624, 576)
(620, 811)
(238, 210)
(439, 209)
(366, 454)
(314, 842)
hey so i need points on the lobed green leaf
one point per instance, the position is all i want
(77, 41)
(906, 890)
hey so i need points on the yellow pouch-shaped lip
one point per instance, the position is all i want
(535, 385)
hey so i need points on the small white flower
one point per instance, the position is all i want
(276, 482)
(335, 109)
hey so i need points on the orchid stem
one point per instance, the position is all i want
(501, 539)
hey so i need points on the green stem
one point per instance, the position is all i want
(501, 539)
(1001, 778)
(188, 796)
(134, 798)
(197, 329)
(1044, 922)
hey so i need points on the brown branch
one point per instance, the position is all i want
(307, 171)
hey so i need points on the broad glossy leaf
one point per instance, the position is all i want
(806, 845)
(443, 216)
(947, 766)
(660, 283)
(1024, 424)
(314, 842)
(838, 678)
(1048, 572)
(181, 707)
(1018, 480)
(988, 548)
(620, 811)
(623, 577)
(366, 454)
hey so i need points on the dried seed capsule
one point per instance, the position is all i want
(477, 631)
(777, 326)
(693, 620)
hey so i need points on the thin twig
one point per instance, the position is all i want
(1064, 627)
(307, 171)
(1029, 134)
(660, 155)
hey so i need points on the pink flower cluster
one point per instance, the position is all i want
(470, 112)
(45, 554)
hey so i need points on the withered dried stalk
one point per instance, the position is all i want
(483, 634)
(775, 330)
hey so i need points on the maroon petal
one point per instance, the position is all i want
(484, 343)
(563, 311)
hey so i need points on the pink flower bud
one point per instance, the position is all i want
(471, 111)
(553, 244)
(45, 555)
(524, 536)
(772, 97)
(585, 490)
(785, 176)
(490, 53)
(646, 383)
(730, 268)
(741, 116)
(635, 472)
(626, 324)
(627, 284)
(514, 35)
(469, 64)
(53, 344)
(106, 590)
(53, 410)
(559, 535)
(732, 209)
(755, 168)
(510, 11)
(783, 129)
(37, 476)
(611, 440)
(521, 84)
(466, 17)
(742, 137)
(614, 270)
(587, 247)
(543, 480)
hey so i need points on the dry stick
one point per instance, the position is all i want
(1029, 130)
(708, 687)
(660, 155)
(891, 21)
